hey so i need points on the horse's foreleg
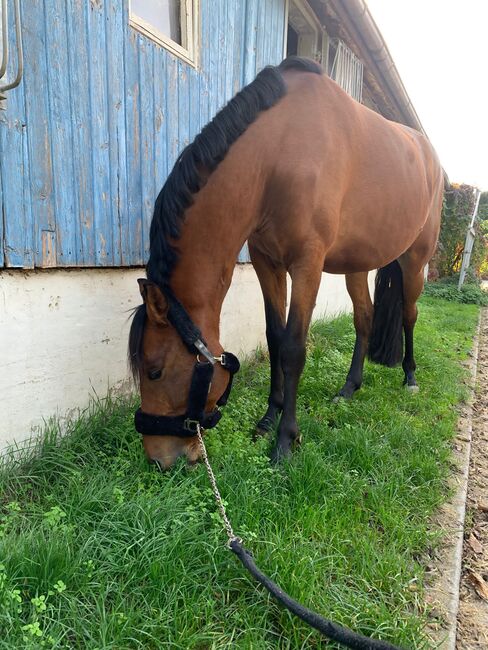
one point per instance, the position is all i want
(305, 284)
(273, 285)
(357, 287)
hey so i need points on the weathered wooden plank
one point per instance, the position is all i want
(279, 30)
(100, 134)
(116, 20)
(193, 86)
(172, 122)
(231, 50)
(160, 142)
(263, 36)
(60, 131)
(204, 64)
(16, 234)
(183, 106)
(79, 82)
(39, 135)
(213, 63)
(222, 48)
(132, 134)
(146, 67)
(250, 36)
(12, 136)
(238, 53)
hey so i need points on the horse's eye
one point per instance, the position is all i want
(154, 374)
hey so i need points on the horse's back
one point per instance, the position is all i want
(345, 176)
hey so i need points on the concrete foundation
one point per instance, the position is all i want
(63, 336)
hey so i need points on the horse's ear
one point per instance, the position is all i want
(155, 301)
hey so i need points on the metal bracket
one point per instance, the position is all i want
(5, 52)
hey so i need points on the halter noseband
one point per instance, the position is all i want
(186, 425)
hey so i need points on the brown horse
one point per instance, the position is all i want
(315, 182)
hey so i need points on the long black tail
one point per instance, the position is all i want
(386, 341)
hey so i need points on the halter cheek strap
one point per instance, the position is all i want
(186, 425)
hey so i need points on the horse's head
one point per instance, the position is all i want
(181, 382)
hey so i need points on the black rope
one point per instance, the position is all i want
(331, 630)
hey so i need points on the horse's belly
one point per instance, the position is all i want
(358, 257)
(342, 262)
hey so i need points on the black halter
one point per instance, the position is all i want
(186, 425)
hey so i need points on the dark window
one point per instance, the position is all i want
(292, 42)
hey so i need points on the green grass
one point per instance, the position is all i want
(99, 550)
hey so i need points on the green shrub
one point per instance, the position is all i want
(459, 202)
(447, 289)
(469, 278)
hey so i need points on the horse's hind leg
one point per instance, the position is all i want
(273, 285)
(357, 287)
(413, 283)
(412, 263)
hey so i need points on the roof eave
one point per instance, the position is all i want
(358, 29)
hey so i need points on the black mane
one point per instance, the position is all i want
(204, 154)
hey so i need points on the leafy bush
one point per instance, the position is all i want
(447, 289)
(457, 211)
(469, 278)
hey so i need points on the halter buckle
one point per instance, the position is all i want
(222, 359)
(191, 425)
(200, 345)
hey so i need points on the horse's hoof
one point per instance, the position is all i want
(413, 388)
(263, 427)
(265, 424)
(346, 392)
(259, 433)
(278, 454)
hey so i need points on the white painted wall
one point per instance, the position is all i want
(63, 336)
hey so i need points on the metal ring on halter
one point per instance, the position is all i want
(220, 359)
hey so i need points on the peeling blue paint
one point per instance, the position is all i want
(98, 121)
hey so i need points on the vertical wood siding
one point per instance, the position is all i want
(98, 121)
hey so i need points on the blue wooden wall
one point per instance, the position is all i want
(91, 133)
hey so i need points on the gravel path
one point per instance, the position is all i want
(458, 615)
(472, 630)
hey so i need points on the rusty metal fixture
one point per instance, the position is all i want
(5, 51)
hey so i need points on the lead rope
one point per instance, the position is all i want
(218, 498)
(329, 629)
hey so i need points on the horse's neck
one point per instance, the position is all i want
(208, 247)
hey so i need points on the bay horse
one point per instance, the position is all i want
(315, 182)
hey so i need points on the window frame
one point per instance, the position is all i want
(190, 21)
(309, 33)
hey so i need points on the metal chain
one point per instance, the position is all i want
(220, 503)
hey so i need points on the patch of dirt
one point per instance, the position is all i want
(472, 631)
